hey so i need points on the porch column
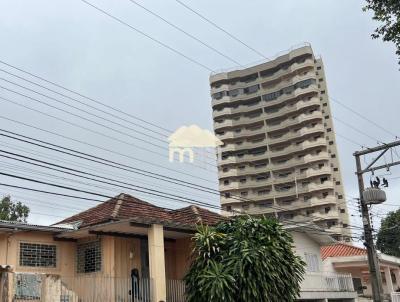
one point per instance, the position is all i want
(397, 275)
(157, 262)
(388, 277)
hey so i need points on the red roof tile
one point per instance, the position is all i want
(125, 206)
(341, 250)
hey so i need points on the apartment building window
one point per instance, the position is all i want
(321, 80)
(325, 194)
(331, 143)
(242, 180)
(312, 262)
(251, 89)
(327, 210)
(265, 204)
(89, 257)
(333, 155)
(309, 212)
(228, 208)
(245, 206)
(340, 197)
(263, 192)
(323, 92)
(244, 193)
(328, 129)
(338, 183)
(320, 166)
(226, 182)
(319, 67)
(325, 104)
(242, 167)
(323, 179)
(326, 117)
(37, 255)
(335, 169)
(307, 198)
(260, 178)
(257, 166)
(227, 195)
(234, 92)
(342, 211)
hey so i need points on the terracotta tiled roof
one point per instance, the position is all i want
(125, 206)
(195, 215)
(341, 250)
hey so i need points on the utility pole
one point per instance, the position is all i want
(373, 261)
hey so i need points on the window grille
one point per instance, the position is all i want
(37, 255)
(89, 257)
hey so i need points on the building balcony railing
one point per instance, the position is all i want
(297, 94)
(327, 282)
(242, 121)
(294, 67)
(296, 135)
(292, 122)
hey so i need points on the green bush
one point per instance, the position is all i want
(244, 259)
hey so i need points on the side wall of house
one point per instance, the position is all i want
(303, 245)
(10, 252)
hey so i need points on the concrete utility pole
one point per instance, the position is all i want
(373, 261)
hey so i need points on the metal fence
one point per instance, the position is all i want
(176, 291)
(91, 288)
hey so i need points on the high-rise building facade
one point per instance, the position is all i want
(279, 155)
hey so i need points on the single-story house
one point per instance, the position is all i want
(346, 258)
(126, 249)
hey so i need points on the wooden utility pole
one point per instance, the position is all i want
(373, 261)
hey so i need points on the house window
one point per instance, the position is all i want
(89, 257)
(312, 262)
(37, 255)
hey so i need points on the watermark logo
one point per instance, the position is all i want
(186, 138)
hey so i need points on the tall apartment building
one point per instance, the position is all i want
(279, 155)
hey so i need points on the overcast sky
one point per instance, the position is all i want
(72, 44)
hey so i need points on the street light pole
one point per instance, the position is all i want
(373, 262)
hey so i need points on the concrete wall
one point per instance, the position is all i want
(9, 252)
(304, 244)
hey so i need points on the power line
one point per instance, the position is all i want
(85, 104)
(120, 111)
(97, 159)
(199, 188)
(358, 130)
(363, 117)
(221, 29)
(89, 176)
(105, 172)
(93, 131)
(185, 32)
(148, 36)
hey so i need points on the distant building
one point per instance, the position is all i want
(279, 155)
(344, 258)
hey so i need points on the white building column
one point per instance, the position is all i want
(397, 275)
(157, 262)
(388, 277)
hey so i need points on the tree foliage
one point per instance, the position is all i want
(388, 240)
(387, 12)
(13, 211)
(244, 259)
